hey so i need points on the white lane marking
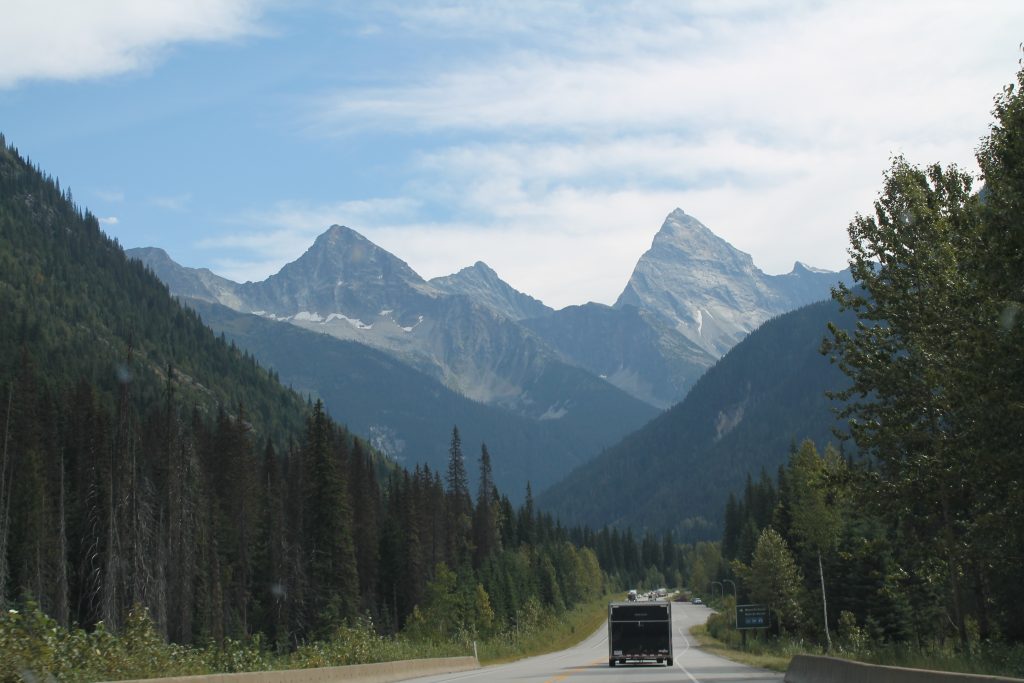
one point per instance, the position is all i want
(685, 650)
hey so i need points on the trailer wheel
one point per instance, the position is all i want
(611, 662)
(668, 661)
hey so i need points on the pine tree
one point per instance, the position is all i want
(486, 538)
(458, 505)
(333, 593)
(526, 528)
(365, 495)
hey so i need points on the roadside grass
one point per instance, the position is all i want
(759, 658)
(33, 643)
(555, 633)
(985, 658)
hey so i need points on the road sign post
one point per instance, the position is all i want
(752, 616)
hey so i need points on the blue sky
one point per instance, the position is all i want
(548, 139)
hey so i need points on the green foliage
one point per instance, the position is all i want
(33, 643)
(815, 510)
(773, 579)
(935, 365)
(918, 536)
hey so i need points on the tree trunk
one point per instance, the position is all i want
(824, 604)
(954, 570)
(5, 499)
(63, 599)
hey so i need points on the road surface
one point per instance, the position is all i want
(588, 662)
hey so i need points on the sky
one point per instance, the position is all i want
(548, 139)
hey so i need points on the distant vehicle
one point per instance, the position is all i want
(698, 601)
(639, 632)
(631, 596)
(662, 592)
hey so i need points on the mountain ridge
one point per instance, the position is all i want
(691, 297)
(675, 473)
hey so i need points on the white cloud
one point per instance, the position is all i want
(179, 202)
(587, 124)
(833, 73)
(573, 247)
(113, 196)
(58, 39)
(109, 220)
(275, 236)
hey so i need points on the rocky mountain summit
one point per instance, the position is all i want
(711, 292)
(481, 283)
(461, 331)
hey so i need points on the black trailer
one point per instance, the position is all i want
(640, 632)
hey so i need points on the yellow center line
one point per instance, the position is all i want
(574, 670)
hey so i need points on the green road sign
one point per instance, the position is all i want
(752, 616)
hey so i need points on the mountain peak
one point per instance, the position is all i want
(693, 240)
(339, 236)
(700, 284)
(801, 267)
(479, 270)
(485, 286)
(340, 254)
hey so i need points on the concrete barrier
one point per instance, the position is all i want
(383, 672)
(812, 669)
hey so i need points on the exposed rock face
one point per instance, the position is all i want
(710, 292)
(481, 283)
(192, 283)
(344, 273)
(462, 331)
(691, 298)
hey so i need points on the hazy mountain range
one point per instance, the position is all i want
(569, 382)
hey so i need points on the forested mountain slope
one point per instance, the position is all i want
(146, 463)
(409, 415)
(75, 309)
(140, 452)
(743, 415)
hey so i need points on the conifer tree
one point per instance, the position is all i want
(327, 535)
(365, 496)
(486, 537)
(458, 505)
(526, 528)
(270, 554)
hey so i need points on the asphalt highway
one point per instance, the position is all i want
(588, 662)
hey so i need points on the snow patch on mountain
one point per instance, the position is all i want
(555, 412)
